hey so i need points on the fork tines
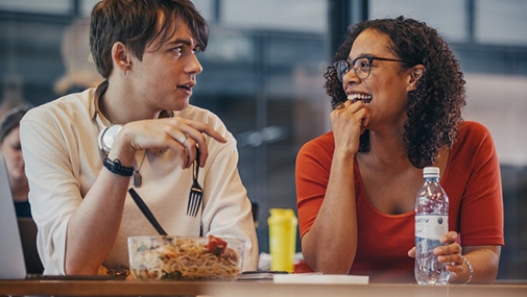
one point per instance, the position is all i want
(194, 202)
(196, 192)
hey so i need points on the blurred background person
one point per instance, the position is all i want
(11, 149)
(12, 94)
(78, 62)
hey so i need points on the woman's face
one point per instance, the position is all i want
(11, 150)
(386, 88)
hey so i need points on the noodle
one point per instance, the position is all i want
(183, 258)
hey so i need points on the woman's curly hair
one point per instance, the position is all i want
(434, 108)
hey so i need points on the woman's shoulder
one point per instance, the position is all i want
(322, 143)
(473, 126)
(474, 139)
(473, 131)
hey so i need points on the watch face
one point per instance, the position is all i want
(107, 137)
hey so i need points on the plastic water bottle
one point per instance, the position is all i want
(431, 222)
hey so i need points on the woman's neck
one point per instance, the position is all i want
(388, 149)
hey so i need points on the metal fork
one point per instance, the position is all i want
(196, 192)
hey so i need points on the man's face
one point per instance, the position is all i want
(165, 77)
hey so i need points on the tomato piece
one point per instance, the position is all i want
(216, 245)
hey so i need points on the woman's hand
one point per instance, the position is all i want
(177, 134)
(484, 260)
(348, 121)
(449, 253)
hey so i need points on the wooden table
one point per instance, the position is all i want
(249, 288)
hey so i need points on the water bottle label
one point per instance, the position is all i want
(431, 226)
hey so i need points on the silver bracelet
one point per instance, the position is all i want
(470, 270)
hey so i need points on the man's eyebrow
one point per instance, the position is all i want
(187, 42)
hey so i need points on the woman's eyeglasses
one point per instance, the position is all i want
(361, 66)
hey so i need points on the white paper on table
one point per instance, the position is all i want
(316, 278)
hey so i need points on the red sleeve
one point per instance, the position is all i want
(478, 180)
(313, 165)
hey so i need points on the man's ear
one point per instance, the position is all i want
(415, 74)
(121, 57)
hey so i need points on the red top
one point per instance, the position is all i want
(472, 182)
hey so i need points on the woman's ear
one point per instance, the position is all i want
(415, 74)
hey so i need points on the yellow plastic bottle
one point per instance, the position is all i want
(282, 239)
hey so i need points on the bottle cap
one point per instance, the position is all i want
(281, 215)
(431, 171)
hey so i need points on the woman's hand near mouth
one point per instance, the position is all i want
(348, 123)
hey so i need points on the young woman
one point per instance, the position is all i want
(398, 91)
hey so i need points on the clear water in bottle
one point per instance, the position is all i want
(431, 222)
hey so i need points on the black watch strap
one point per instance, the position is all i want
(116, 167)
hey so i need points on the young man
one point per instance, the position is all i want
(81, 150)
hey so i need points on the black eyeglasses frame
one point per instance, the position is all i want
(360, 74)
